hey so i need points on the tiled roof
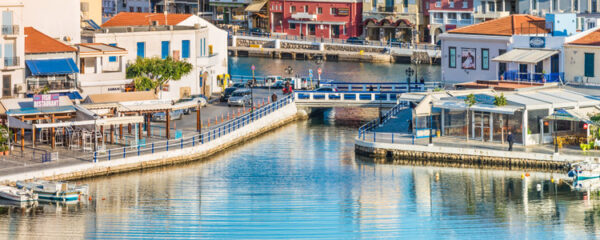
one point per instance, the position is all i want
(144, 19)
(37, 42)
(506, 26)
(592, 39)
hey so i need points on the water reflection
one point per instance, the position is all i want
(303, 181)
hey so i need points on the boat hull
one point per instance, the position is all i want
(74, 196)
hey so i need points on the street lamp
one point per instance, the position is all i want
(431, 123)
(409, 72)
(555, 135)
(250, 84)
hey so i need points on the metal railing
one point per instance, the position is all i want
(11, 61)
(514, 75)
(392, 86)
(367, 127)
(217, 132)
(346, 96)
(10, 29)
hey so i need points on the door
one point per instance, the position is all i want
(336, 31)
(523, 72)
(501, 65)
(6, 84)
(311, 29)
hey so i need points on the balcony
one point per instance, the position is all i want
(465, 22)
(438, 20)
(452, 21)
(11, 62)
(304, 15)
(208, 61)
(52, 83)
(386, 9)
(490, 15)
(514, 75)
(10, 29)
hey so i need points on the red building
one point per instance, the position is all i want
(326, 19)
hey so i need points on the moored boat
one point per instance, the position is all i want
(54, 191)
(18, 195)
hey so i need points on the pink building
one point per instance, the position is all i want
(326, 19)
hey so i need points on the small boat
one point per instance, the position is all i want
(584, 171)
(18, 195)
(55, 191)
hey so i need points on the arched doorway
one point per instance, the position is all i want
(205, 84)
(436, 36)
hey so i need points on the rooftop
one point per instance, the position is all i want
(591, 39)
(99, 49)
(506, 26)
(144, 19)
(497, 85)
(37, 42)
(121, 97)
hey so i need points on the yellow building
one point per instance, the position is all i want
(398, 20)
(91, 10)
(581, 56)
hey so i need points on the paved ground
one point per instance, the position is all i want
(31, 159)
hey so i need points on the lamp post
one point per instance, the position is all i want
(409, 72)
(555, 134)
(250, 85)
(431, 123)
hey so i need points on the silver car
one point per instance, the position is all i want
(161, 116)
(240, 97)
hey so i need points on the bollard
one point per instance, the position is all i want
(182, 143)
(123, 152)
(208, 121)
(152, 147)
(138, 147)
(193, 141)
(108, 154)
(227, 116)
(167, 145)
(95, 156)
(392, 137)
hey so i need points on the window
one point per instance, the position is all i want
(112, 58)
(594, 6)
(438, 3)
(164, 53)
(185, 49)
(333, 11)
(452, 57)
(7, 22)
(306, 8)
(130, 9)
(139, 9)
(292, 26)
(451, 3)
(293, 9)
(576, 5)
(465, 16)
(141, 49)
(451, 15)
(589, 65)
(492, 6)
(465, 4)
(501, 65)
(6, 86)
(202, 48)
(485, 59)
(374, 5)
(319, 10)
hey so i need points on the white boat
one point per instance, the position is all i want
(55, 191)
(18, 195)
(585, 171)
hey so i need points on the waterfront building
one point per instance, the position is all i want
(258, 15)
(12, 42)
(59, 19)
(229, 11)
(401, 21)
(178, 6)
(111, 8)
(517, 47)
(101, 68)
(50, 65)
(183, 37)
(529, 114)
(320, 19)
(582, 53)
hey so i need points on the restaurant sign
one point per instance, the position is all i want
(45, 100)
(537, 42)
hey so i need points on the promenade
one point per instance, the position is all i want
(217, 113)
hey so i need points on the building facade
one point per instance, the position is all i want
(60, 19)
(400, 20)
(582, 55)
(91, 10)
(183, 37)
(12, 42)
(101, 68)
(321, 19)
(230, 11)
(111, 8)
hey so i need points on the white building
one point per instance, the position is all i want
(12, 43)
(101, 68)
(60, 19)
(516, 48)
(181, 36)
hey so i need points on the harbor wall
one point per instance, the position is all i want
(276, 119)
(464, 157)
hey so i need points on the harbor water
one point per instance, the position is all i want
(304, 181)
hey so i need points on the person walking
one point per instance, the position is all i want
(302, 36)
(371, 88)
(274, 97)
(510, 139)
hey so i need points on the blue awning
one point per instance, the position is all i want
(72, 95)
(59, 66)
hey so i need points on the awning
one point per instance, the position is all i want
(185, 105)
(255, 6)
(72, 95)
(460, 105)
(528, 56)
(99, 122)
(59, 66)
(576, 115)
(225, 4)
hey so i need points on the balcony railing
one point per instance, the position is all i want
(10, 29)
(514, 75)
(34, 85)
(386, 9)
(451, 21)
(11, 61)
(465, 22)
(438, 20)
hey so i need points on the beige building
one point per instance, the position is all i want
(383, 20)
(91, 10)
(12, 44)
(582, 55)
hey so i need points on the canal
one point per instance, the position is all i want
(304, 181)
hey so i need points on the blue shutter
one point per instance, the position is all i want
(185, 49)
(112, 58)
(164, 49)
(141, 49)
(589, 65)
(7, 18)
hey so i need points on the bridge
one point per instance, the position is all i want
(349, 94)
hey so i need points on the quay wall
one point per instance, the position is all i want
(464, 157)
(276, 119)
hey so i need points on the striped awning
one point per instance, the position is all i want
(527, 56)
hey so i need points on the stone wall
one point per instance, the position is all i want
(247, 42)
(350, 48)
(294, 45)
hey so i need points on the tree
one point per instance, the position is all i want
(500, 100)
(153, 73)
(469, 101)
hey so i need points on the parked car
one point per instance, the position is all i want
(197, 99)
(270, 80)
(227, 93)
(355, 40)
(326, 89)
(239, 85)
(161, 116)
(257, 32)
(240, 97)
(278, 84)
